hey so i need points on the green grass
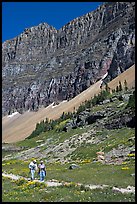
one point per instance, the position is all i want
(13, 192)
(89, 172)
(29, 192)
(17, 167)
(55, 137)
(114, 138)
(109, 105)
(7, 152)
(92, 172)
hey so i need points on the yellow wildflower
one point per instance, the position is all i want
(124, 162)
(125, 168)
(131, 155)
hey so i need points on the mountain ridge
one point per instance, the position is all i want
(44, 66)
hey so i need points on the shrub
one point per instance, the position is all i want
(120, 86)
(59, 127)
(81, 108)
(107, 88)
(100, 97)
(94, 100)
(20, 181)
(131, 102)
(117, 89)
(125, 85)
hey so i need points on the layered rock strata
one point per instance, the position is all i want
(44, 65)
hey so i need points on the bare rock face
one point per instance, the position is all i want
(44, 65)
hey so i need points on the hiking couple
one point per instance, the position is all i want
(41, 169)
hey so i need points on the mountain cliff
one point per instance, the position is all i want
(44, 65)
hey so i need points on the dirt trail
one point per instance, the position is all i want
(55, 183)
(20, 126)
(17, 177)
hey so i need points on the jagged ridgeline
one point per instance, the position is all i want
(44, 65)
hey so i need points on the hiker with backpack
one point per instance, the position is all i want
(33, 167)
(42, 171)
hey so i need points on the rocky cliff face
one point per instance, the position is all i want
(45, 65)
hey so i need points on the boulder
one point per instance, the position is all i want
(74, 166)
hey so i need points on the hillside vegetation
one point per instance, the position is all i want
(21, 126)
(103, 124)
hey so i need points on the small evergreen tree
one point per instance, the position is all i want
(107, 88)
(120, 86)
(63, 116)
(88, 104)
(125, 85)
(131, 101)
(94, 100)
(81, 108)
(117, 89)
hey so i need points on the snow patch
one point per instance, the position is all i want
(12, 115)
(59, 104)
(52, 104)
(104, 76)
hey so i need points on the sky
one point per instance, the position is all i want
(16, 16)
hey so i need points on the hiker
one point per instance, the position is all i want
(33, 167)
(42, 171)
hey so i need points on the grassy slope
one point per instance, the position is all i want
(90, 172)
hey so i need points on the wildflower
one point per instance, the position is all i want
(86, 161)
(124, 162)
(131, 155)
(125, 168)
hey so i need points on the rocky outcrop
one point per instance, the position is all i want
(119, 154)
(43, 64)
(121, 119)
